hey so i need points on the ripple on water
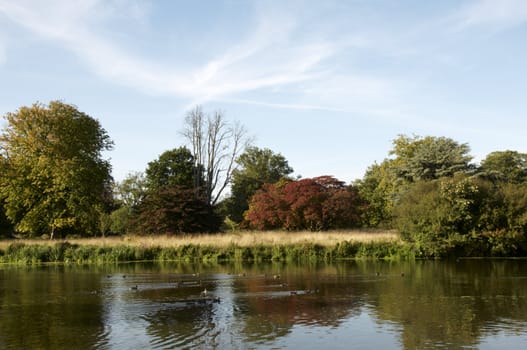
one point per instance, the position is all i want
(182, 325)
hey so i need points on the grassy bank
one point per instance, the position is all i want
(240, 246)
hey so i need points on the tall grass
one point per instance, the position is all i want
(237, 246)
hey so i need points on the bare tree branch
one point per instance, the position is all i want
(215, 144)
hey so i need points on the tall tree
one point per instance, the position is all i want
(429, 158)
(256, 167)
(215, 145)
(174, 201)
(175, 210)
(414, 159)
(378, 189)
(173, 168)
(132, 190)
(54, 177)
(320, 203)
(128, 196)
(508, 166)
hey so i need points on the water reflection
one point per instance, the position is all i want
(363, 304)
(44, 307)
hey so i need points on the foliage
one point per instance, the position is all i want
(131, 191)
(429, 158)
(320, 203)
(267, 208)
(175, 210)
(463, 216)
(256, 167)
(378, 189)
(505, 166)
(343, 208)
(54, 179)
(174, 168)
(128, 196)
(6, 227)
(413, 159)
(67, 253)
(515, 205)
(121, 220)
(172, 203)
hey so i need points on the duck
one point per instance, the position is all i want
(134, 287)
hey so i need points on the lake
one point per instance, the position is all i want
(469, 304)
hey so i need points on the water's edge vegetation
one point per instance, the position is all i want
(223, 248)
(68, 253)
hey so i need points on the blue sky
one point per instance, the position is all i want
(329, 84)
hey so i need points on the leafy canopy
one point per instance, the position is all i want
(173, 168)
(174, 202)
(320, 203)
(507, 166)
(429, 158)
(256, 167)
(53, 175)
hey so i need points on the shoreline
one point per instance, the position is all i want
(238, 246)
(235, 246)
(241, 238)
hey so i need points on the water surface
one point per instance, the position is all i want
(469, 304)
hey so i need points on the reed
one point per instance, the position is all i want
(240, 238)
(235, 246)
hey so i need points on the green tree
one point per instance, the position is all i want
(128, 196)
(132, 190)
(174, 202)
(429, 158)
(464, 214)
(413, 159)
(515, 203)
(54, 179)
(256, 167)
(175, 210)
(433, 213)
(378, 189)
(173, 168)
(5, 226)
(507, 166)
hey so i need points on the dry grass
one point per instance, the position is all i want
(242, 238)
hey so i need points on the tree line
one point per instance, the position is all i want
(54, 181)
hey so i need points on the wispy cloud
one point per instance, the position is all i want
(292, 106)
(256, 63)
(269, 56)
(497, 13)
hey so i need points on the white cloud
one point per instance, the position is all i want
(273, 54)
(256, 63)
(500, 13)
(293, 106)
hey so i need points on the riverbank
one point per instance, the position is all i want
(236, 246)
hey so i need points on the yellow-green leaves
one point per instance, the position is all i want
(53, 175)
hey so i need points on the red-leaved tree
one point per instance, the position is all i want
(267, 208)
(320, 203)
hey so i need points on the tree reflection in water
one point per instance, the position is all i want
(369, 304)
